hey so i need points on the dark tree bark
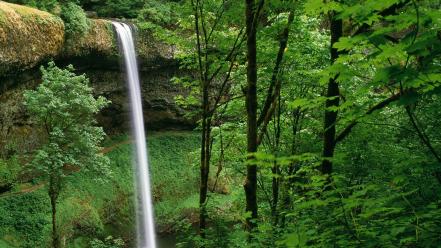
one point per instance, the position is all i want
(205, 164)
(250, 185)
(276, 168)
(275, 85)
(272, 90)
(332, 101)
(330, 140)
(53, 195)
(206, 124)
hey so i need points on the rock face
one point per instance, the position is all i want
(29, 38)
(160, 110)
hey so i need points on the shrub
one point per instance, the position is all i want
(120, 8)
(9, 170)
(75, 20)
(25, 219)
(158, 12)
(109, 242)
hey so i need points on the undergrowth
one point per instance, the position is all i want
(92, 208)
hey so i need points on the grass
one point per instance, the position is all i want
(95, 207)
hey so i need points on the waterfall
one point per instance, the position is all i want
(146, 228)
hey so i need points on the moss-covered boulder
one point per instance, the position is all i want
(27, 36)
(153, 52)
(98, 39)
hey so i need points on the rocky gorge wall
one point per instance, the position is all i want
(30, 38)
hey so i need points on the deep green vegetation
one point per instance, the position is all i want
(319, 126)
(75, 20)
(337, 100)
(99, 211)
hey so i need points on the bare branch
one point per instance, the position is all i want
(378, 106)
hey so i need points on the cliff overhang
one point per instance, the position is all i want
(31, 37)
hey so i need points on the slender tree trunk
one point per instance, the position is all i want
(275, 192)
(287, 183)
(276, 168)
(250, 185)
(284, 36)
(53, 195)
(332, 101)
(205, 162)
(206, 128)
(425, 140)
(55, 240)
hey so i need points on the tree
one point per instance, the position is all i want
(257, 124)
(332, 101)
(213, 55)
(251, 107)
(64, 107)
(212, 91)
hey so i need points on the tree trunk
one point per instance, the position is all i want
(250, 185)
(332, 101)
(289, 181)
(276, 168)
(53, 195)
(205, 162)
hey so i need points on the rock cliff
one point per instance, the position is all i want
(30, 38)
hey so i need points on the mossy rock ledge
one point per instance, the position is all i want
(29, 37)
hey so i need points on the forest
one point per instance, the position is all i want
(269, 123)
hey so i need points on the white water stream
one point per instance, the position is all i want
(146, 227)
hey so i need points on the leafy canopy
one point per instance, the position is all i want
(63, 105)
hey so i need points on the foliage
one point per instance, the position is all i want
(75, 20)
(384, 186)
(9, 170)
(24, 219)
(120, 8)
(173, 175)
(160, 12)
(109, 242)
(93, 210)
(64, 106)
(377, 196)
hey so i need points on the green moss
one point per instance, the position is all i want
(2, 17)
(109, 28)
(99, 39)
(28, 36)
(26, 11)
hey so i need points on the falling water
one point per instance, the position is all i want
(146, 229)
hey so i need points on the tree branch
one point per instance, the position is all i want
(271, 95)
(275, 85)
(389, 11)
(378, 106)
